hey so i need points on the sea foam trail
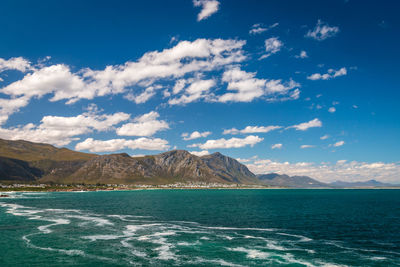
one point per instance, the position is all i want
(153, 242)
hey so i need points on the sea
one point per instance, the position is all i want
(201, 228)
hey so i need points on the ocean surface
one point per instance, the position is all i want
(201, 228)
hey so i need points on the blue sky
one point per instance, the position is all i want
(299, 88)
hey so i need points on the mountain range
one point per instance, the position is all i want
(23, 161)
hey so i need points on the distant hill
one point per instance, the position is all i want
(369, 183)
(283, 180)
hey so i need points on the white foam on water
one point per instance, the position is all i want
(93, 238)
(378, 258)
(300, 237)
(125, 217)
(216, 262)
(97, 220)
(69, 252)
(239, 229)
(252, 253)
(45, 228)
(227, 237)
(188, 244)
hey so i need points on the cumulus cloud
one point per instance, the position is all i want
(327, 76)
(118, 144)
(144, 125)
(198, 89)
(250, 140)
(272, 46)
(307, 125)
(306, 146)
(10, 106)
(200, 153)
(182, 69)
(143, 97)
(324, 137)
(15, 63)
(258, 28)
(61, 131)
(332, 109)
(208, 7)
(252, 129)
(247, 87)
(195, 135)
(339, 143)
(329, 172)
(322, 31)
(276, 146)
(61, 83)
(303, 54)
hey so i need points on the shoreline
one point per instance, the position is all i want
(5, 191)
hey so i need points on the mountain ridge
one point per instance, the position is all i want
(25, 161)
(46, 163)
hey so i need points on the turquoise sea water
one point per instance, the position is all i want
(202, 228)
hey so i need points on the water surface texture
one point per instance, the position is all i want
(201, 228)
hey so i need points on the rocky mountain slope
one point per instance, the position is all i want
(26, 161)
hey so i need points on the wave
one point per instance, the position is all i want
(149, 241)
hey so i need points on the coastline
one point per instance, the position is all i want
(5, 191)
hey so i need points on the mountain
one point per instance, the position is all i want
(32, 152)
(283, 180)
(27, 161)
(168, 167)
(369, 183)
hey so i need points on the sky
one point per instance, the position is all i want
(294, 87)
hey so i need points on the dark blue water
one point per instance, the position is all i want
(202, 228)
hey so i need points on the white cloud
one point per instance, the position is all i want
(339, 143)
(272, 46)
(144, 125)
(329, 172)
(61, 131)
(330, 75)
(250, 140)
(56, 79)
(322, 31)
(258, 28)
(208, 7)
(10, 106)
(61, 83)
(200, 153)
(306, 125)
(143, 97)
(276, 146)
(15, 63)
(252, 129)
(324, 137)
(195, 135)
(118, 144)
(332, 109)
(303, 54)
(246, 87)
(196, 90)
(306, 146)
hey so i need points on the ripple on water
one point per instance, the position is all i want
(143, 239)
